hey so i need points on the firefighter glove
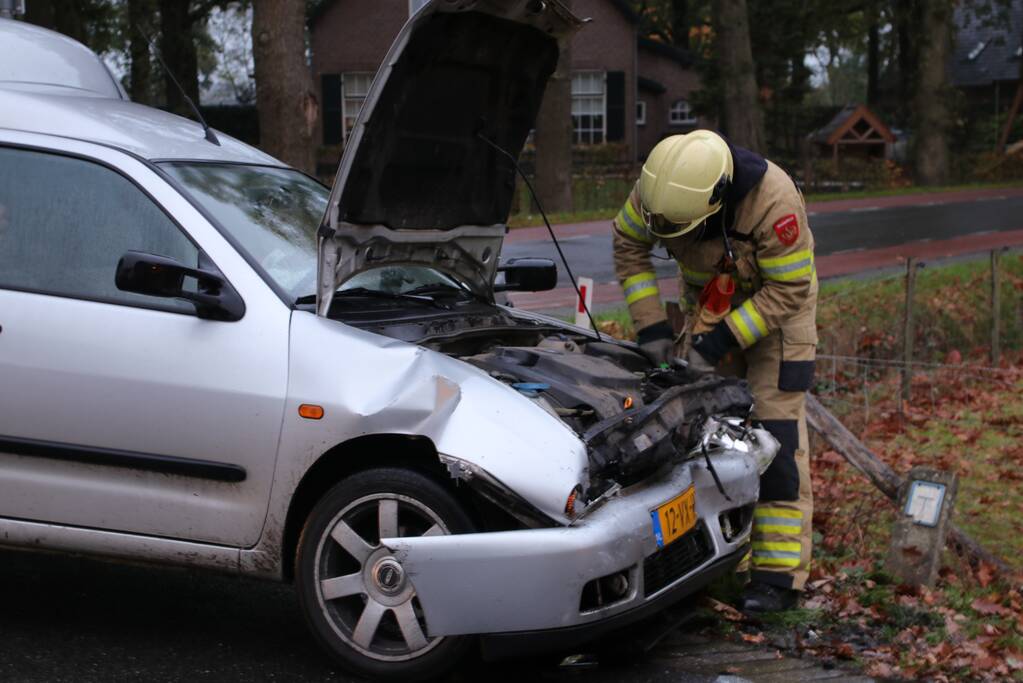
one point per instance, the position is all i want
(657, 342)
(698, 363)
(712, 346)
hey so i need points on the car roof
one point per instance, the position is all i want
(53, 85)
(39, 56)
(144, 131)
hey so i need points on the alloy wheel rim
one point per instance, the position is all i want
(363, 590)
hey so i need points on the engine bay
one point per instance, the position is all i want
(633, 416)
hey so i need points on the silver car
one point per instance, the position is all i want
(209, 359)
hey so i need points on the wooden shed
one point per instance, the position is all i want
(855, 132)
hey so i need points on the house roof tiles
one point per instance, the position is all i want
(987, 45)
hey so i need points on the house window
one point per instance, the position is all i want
(681, 114)
(354, 86)
(589, 107)
(640, 113)
(415, 5)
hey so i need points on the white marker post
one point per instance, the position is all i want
(585, 297)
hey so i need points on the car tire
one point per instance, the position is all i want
(359, 603)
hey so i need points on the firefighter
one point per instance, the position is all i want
(736, 226)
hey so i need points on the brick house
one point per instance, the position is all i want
(626, 90)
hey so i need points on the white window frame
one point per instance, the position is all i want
(640, 112)
(352, 100)
(585, 96)
(681, 113)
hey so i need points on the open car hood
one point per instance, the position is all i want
(417, 184)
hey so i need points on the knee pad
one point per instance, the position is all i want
(781, 480)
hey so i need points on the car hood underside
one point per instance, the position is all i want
(421, 181)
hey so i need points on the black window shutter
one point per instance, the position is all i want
(330, 85)
(615, 106)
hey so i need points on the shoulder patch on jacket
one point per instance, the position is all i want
(787, 229)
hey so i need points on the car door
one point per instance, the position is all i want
(121, 411)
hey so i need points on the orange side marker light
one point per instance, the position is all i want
(310, 411)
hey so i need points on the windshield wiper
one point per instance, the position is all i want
(365, 293)
(437, 288)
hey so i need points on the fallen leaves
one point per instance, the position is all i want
(970, 624)
(727, 612)
(987, 607)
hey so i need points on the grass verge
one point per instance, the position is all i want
(962, 416)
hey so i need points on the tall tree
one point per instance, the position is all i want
(681, 22)
(553, 138)
(92, 22)
(284, 95)
(906, 18)
(744, 121)
(873, 54)
(140, 70)
(931, 104)
(178, 21)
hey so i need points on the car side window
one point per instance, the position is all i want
(65, 222)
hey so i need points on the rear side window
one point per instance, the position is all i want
(65, 223)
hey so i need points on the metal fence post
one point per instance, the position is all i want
(908, 334)
(996, 309)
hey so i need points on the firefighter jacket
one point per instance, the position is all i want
(776, 283)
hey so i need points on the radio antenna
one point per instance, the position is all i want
(208, 132)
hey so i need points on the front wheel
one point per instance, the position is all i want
(358, 600)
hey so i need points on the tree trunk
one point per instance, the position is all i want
(873, 56)
(744, 121)
(177, 47)
(62, 16)
(553, 138)
(905, 20)
(284, 95)
(933, 114)
(680, 23)
(140, 14)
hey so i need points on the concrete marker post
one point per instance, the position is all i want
(922, 522)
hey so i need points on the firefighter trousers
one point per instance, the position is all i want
(779, 369)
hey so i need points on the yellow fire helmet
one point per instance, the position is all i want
(683, 182)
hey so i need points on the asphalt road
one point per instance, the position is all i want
(870, 227)
(68, 619)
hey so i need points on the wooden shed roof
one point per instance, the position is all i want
(844, 127)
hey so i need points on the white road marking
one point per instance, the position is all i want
(847, 251)
(575, 237)
(864, 209)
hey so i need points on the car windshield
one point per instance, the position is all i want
(273, 215)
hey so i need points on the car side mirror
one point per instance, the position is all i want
(214, 298)
(527, 275)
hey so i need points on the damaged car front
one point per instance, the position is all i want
(625, 486)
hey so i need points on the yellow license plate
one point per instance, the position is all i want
(673, 519)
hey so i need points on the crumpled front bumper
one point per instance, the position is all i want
(533, 579)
